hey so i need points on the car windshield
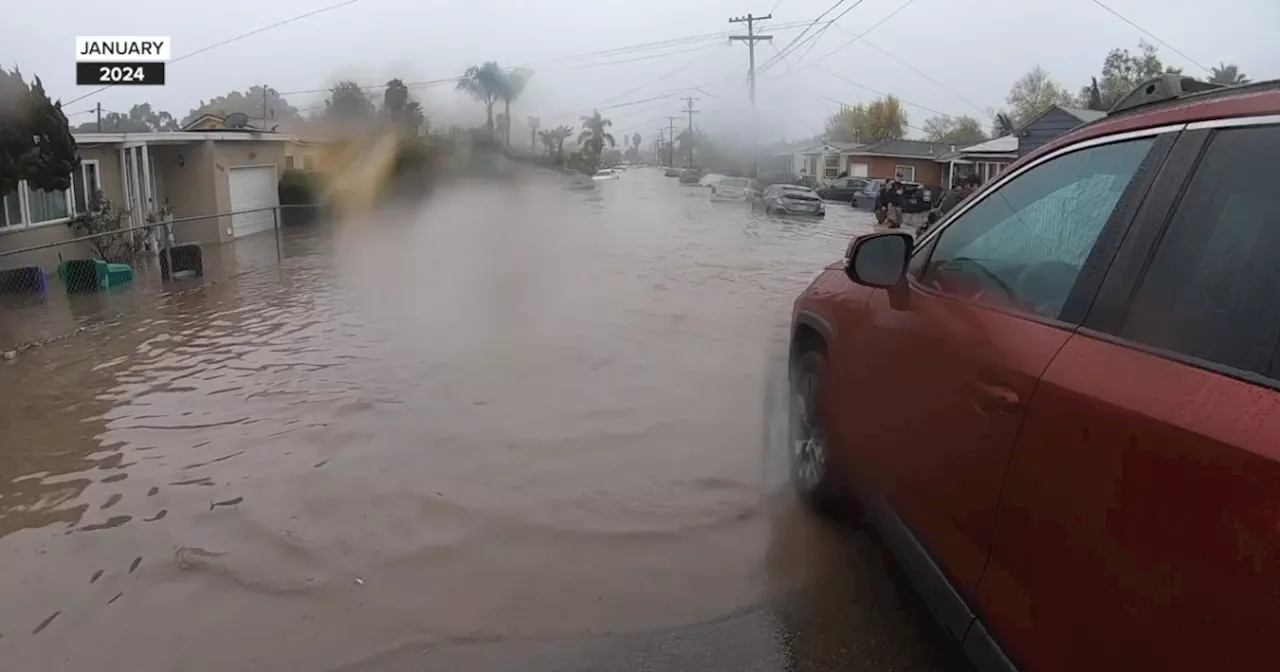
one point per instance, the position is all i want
(797, 191)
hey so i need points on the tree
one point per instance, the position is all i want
(512, 86)
(401, 110)
(560, 134)
(534, 123)
(1094, 99)
(348, 102)
(483, 83)
(594, 136)
(962, 131)
(1033, 93)
(1227, 74)
(1002, 125)
(548, 140)
(1123, 71)
(248, 103)
(882, 119)
(140, 119)
(36, 144)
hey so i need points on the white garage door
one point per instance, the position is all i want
(253, 187)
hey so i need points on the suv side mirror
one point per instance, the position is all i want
(879, 259)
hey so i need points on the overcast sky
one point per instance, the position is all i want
(973, 49)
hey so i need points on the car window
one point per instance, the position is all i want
(1023, 245)
(1212, 290)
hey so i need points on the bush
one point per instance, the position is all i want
(103, 217)
(300, 187)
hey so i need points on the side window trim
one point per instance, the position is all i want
(1135, 258)
(1114, 231)
(1134, 254)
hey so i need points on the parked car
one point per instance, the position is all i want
(845, 188)
(605, 174)
(916, 198)
(1061, 406)
(673, 172)
(710, 179)
(690, 176)
(733, 189)
(865, 195)
(790, 199)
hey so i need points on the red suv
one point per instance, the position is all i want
(1061, 406)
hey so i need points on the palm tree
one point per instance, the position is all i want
(484, 83)
(594, 136)
(1227, 74)
(561, 133)
(512, 85)
(548, 139)
(635, 141)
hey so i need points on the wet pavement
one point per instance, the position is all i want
(518, 428)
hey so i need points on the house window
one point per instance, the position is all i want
(12, 211)
(308, 163)
(831, 163)
(859, 169)
(288, 162)
(48, 206)
(908, 173)
(89, 184)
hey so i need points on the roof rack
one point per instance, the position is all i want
(1161, 89)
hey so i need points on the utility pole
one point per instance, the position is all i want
(688, 109)
(751, 38)
(99, 117)
(264, 107)
(671, 142)
(657, 145)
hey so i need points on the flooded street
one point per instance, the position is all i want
(506, 424)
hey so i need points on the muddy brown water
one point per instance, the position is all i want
(516, 411)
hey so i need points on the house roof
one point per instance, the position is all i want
(906, 149)
(163, 137)
(1084, 115)
(201, 119)
(828, 147)
(1005, 144)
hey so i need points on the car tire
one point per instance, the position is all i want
(808, 450)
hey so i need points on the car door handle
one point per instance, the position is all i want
(996, 398)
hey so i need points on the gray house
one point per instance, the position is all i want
(1053, 122)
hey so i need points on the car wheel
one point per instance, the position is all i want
(853, 202)
(809, 450)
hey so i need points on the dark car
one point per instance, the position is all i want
(845, 189)
(673, 172)
(690, 176)
(865, 196)
(1061, 406)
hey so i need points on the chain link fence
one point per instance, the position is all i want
(50, 290)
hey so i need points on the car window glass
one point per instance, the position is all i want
(1023, 245)
(1212, 290)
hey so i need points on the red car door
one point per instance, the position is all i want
(949, 361)
(1140, 525)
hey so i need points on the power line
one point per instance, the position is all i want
(236, 39)
(864, 33)
(926, 76)
(816, 37)
(656, 79)
(1152, 36)
(786, 49)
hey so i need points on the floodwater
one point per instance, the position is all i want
(516, 412)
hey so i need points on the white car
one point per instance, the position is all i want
(605, 174)
(710, 180)
(732, 189)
